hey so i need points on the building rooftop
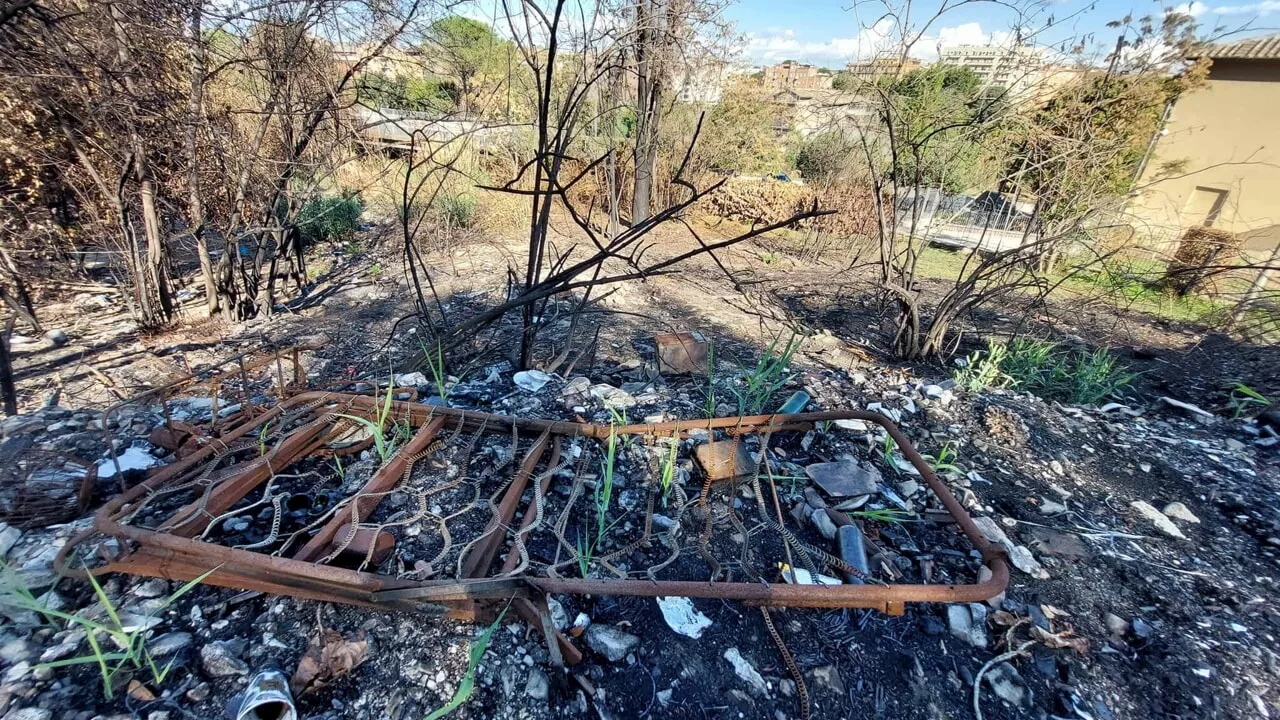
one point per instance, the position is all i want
(1266, 47)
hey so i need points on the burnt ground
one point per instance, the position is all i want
(1171, 628)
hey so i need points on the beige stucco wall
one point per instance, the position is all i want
(1229, 134)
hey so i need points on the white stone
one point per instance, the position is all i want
(1018, 555)
(1179, 511)
(1157, 518)
(746, 671)
(683, 617)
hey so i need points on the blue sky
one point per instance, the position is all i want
(832, 32)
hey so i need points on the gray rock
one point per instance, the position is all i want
(828, 676)
(538, 686)
(221, 658)
(29, 714)
(1116, 625)
(1157, 518)
(61, 651)
(21, 425)
(1018, 555)
(199, 693)
(57, 337)
(823, 523)
(17, 672)
(135, 622)
(611, 642)
(1049, 507)
(15, 651)
(169, 643)
(559, 616)
(9, 536)
(746, 671)
(965, 627)
(151, 588)
(845, 478)
(1008, 684)
(1179, 511)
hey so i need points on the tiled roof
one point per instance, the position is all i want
(1259, 48)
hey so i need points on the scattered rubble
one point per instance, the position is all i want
(746, 672)
(683, 617)
(1024, 464)
(1157, 518)
(611, 642)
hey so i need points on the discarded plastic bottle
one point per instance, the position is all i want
(853, 551)
(795, 403)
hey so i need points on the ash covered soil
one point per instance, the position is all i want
(1146, 538)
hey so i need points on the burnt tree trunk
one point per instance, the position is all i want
(195, 204)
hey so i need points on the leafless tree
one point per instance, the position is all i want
(568, 50)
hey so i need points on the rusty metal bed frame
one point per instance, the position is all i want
(174, 551)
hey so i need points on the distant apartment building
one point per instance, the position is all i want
(792, 75)
(809, 111)
(872, 70)
(704, 82)
(1017, 67)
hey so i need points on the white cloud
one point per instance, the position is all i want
(1260, 9)
(779, 44)
(1194, 8)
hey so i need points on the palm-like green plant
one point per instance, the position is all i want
(133, 655)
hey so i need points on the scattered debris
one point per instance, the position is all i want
(267, 697)
(845, 478)
(1157, 518)
(746, 672)
(683, 617)
(531, 380)
(1193, 411)
(681, 353)
(611, 642)
(1179, 511)
(329, 656)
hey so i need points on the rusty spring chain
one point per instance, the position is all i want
(801, 689)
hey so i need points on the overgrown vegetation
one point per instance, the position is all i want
(771, 373)
(1046, 369)
(118, 649)
(330, 218)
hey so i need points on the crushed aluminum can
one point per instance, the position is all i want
(267, 698)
